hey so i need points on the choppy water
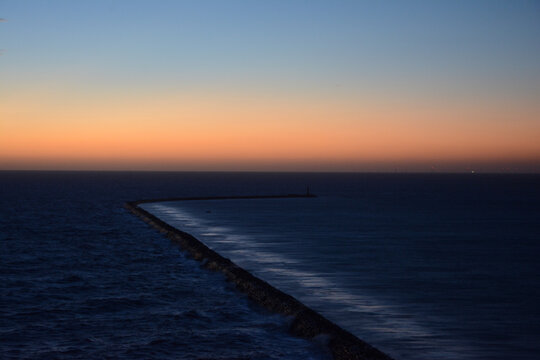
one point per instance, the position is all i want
(423, 266)
(80, 277)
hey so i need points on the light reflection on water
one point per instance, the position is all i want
(422, 267)
(377, 321)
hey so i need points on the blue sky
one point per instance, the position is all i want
(399, 43)
(440, 52)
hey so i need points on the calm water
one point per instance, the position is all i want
(423, 266)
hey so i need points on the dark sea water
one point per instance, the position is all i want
(422, 266)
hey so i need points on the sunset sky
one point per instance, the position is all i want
(270, 85)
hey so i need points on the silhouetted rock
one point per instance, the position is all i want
(306, 322)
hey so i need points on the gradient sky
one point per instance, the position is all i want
(270, 85)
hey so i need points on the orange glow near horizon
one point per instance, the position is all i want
(256, 86)
(247, 133)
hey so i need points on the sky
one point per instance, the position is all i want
(384, 86)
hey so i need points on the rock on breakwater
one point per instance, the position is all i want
(306, 322)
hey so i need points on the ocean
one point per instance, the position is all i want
(422, 266)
